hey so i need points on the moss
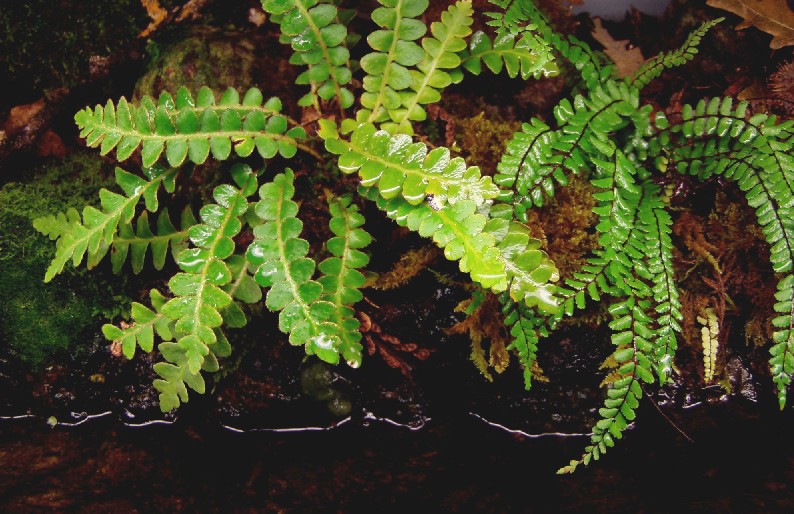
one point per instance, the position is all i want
(482, 140)
(38, 320)
(217, 58)
(46, 44)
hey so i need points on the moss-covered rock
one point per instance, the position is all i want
(38, 320)
(206, 56)
(219, 58)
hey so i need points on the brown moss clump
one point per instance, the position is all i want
(722, 262)
(565, 224)
(482, 140)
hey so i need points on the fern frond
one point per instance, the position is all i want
(709, 331)
(656, 223)
(536, 157)
(609, 270)
(525, 330)
(314, 32)
(593, 70)
(395, 51)
(782, 361)
(185, 128)
(176, 375)
(631, 335)
(282, 265)
(717, 138)
(654, 67)
(341, 279)
(516, 16)
(396, 166)
(136, 241)
(91, 236)
(458, 229)
(198, 289)
(464, 235)
(146, 323)
(429, 78)
(516, 54)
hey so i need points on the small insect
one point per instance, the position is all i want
(433, 202)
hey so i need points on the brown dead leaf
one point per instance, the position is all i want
(191, 10)
(627, 59)
(156, 13)
(771, 16)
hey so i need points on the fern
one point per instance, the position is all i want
(516, 54)
(429, 77)
(631, 336)
(601, 133)
(397, 166)
(653, 68)
(537, 157)
(316, 318)
(667, 307)
(395, 51)
(525, 328)
(720, 139)
(198, 294)
(185, 128)
(315, 32)
(136, 241)
(341, 279)
(91, 236)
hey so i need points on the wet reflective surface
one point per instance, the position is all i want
(740, 461)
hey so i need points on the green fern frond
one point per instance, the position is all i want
(525, 330)
(395, 51)
(782, 361)
(198, 289)
(631, 335)
(654, 67)
(396, 166)
(592, 68)
(317, 35)
(91, 236)
(516, 54)
(176, 375)
(656, 224)
(146, 323)
(465, 236)
(341, 279)
(458, 229)
(136, 241)
(515, 16)
(282, 265)
(185, 128)
(715, 138)
(440, 54)
(609, 270)
(536, 157)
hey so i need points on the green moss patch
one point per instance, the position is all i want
(38, 320)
